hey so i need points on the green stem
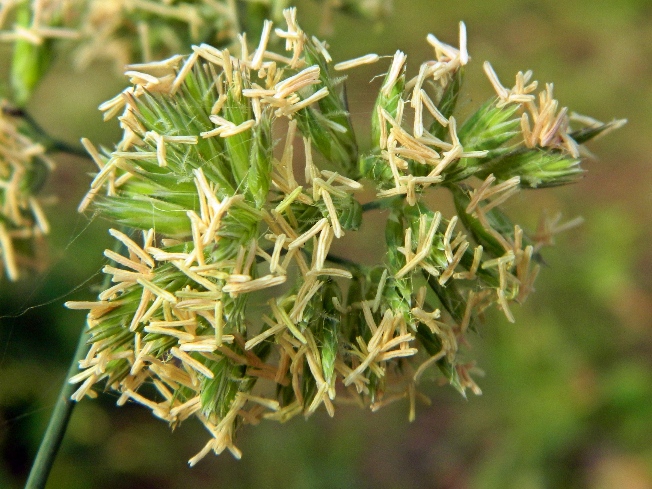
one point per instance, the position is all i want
(56, 429)
(384, 203)
(51, 442)
(51, 144)
(339, 260)
(63, 147)
(373, 205)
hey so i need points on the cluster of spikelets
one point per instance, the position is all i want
(23, 166)
(118, 30)
(125, 30)
(228, 304)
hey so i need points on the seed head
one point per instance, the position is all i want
(23, 223)
(228, 225)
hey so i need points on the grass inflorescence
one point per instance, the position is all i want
(227, 304)
(24, 166)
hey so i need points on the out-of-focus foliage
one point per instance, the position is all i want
(566, 397)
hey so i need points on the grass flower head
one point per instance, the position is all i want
(227, 304)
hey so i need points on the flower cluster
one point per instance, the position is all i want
(38, 21)
(231, 307)
(118, 30)
(125, 31)
(23, 167)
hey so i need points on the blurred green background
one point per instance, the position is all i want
(567, 397)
